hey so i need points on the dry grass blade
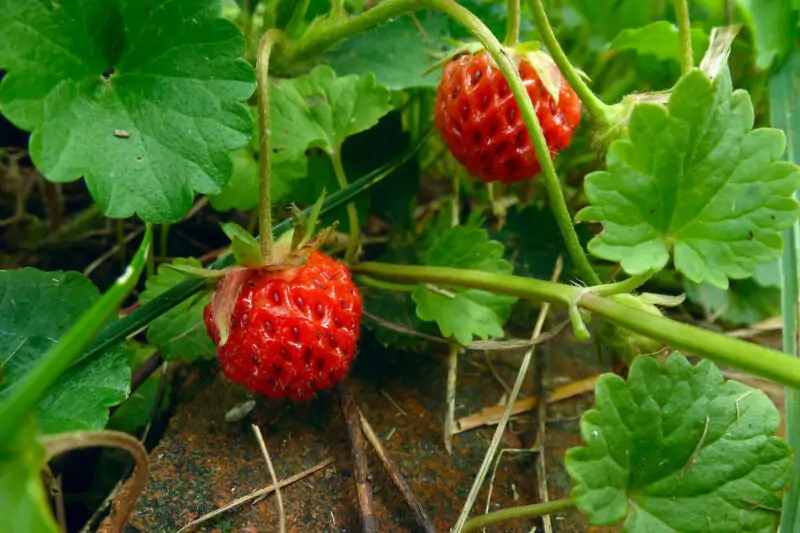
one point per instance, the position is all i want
(257, 494)
(369, 523)
(501, 427)
(278, 495)
(450, 396)
(492, 415)
(397, 478)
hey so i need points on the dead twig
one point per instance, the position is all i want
(131, 489)
(501, 427)
(492, 415)
(278, 495)
(369, 522)
(540, 368)
(257, 494)
(397, 478)
(450, 396)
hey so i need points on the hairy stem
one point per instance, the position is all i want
(337, 8)
(515, 513)
(352, 214)
(265, 146)
(685, 35)
(512, 23)
(627, 285)
(593, 104)
(386, 285)
(67, 442)
(749, 357)
(317, 42)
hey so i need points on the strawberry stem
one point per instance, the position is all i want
(685, 33)
(515, 513)
(352, 214)
(599, 110)
(265, 145)
(512, 23)
(748, 357)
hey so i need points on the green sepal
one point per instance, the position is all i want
(197, 272)
(244, 246)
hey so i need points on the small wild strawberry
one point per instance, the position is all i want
(480, 121)
(292, 331)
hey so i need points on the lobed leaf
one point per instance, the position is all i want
(746, 302)
(660, 40)
(36, 309)
(676, 448)
(465, 313)
(695, 180)
(180, 333)
(143, 100)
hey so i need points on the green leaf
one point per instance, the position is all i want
(678, 449)
(36, 309)
(533, 241)
(775, 29)
(23, 501)
(142, 100)
(744, 303)
(241, 191)
(609, 17)
(180, 333)
(245, 247)
(320, 110)
(136, 411)
(688, 175)
(465, 313)
(660, 39)
(399, 54)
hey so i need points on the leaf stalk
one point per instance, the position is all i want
(599, 110)
(684, 36)
(352, 214)
(266, 240)
(512, 23)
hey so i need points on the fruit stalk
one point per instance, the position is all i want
(685, 36)
(515, 513)
(265, 145)
(745, 356)
(352, 214)
(512, 23)
(599, 110)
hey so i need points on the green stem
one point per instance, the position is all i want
(627, 285)
(512, 23)
(315, 43)
(23, 396)
(515, 513)
(749, 357)
(164, 241)
(685, 35)
(352, 214)
(599, 110)
(265, 145)
(386, 285)
(337, 9)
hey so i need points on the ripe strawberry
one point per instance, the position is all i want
(292, 331)
(480, 121)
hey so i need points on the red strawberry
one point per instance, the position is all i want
(292, 331)
(480, 121)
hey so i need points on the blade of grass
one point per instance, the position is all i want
(61, 356)
(784, 105)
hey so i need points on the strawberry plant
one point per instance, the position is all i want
(428, 173)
